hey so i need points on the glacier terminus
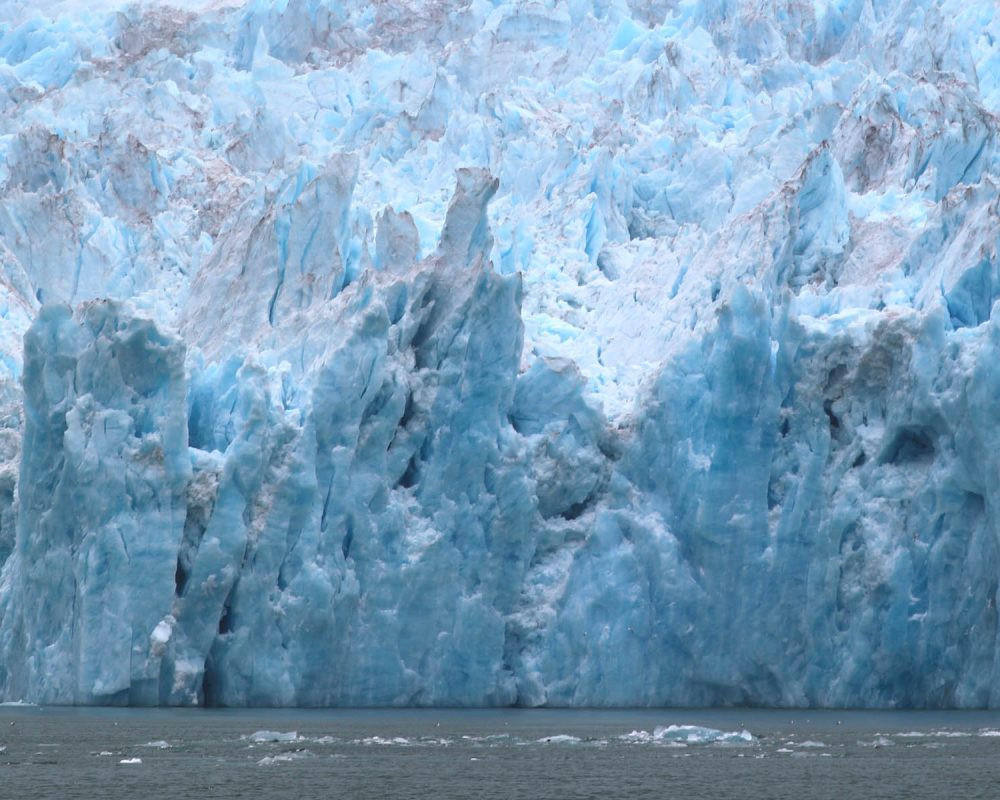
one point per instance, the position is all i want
(500, 352)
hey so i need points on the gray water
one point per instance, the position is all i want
(130, 753)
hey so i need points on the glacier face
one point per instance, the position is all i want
(572, 353)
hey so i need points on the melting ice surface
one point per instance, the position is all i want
(580, 353)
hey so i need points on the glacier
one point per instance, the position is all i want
(503, 352)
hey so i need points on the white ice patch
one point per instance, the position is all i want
(398, 741)
(273, 736)
(161, 634)
(877, 742)
(284, 758)
(944, 734)
(687, 735)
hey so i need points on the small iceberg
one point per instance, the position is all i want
(683, 735)
(273, 736)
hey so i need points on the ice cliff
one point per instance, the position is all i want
(572, 353)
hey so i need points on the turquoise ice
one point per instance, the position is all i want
(542, 353)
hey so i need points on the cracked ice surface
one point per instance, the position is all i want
(587, 352)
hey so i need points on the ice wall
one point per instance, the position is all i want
(101, 506)
(569, 353)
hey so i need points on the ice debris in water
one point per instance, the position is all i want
(344, 360)
(946, 734)
(560, 738)
(877, 742)
(399, 741)
(273, 736)
(284, 758)
(688, 734)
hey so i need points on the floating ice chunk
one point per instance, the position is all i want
(682, 735)
(130, 761)
(560, 738)
(637, 737)
(398, 741)
(695, 734)
(273, 736)
(284, 758)
(877, 742)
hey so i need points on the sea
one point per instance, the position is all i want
(106, 754)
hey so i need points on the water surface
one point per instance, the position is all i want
(513, 753)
